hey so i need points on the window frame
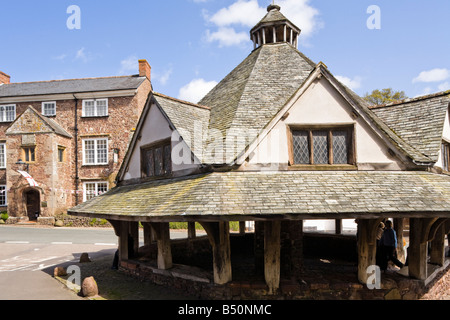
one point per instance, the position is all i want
(4, 155)
(445, 156)
(96, 162)
(61, 156)
(3, 112)
(31, 156)
(43, 108)
(351, 161)
(95, 115)
(5, 204)
(96, 184)
(153, 146)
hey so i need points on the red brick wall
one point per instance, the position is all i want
(59, 191)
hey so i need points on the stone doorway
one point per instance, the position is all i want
(32, 199)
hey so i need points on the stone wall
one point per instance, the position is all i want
(312, 284)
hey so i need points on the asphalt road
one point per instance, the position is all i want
(28, 256)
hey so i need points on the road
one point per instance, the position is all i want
(28, 256)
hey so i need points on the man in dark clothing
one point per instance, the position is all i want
(388, 248)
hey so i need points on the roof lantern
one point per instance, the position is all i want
(274, 28)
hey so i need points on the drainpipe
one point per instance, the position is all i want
(77, 178)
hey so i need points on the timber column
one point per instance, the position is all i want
(219, 238)
(367, 247)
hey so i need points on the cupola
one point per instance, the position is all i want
(274, 28)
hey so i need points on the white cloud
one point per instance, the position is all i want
(128, 65)
(353, 84)
(227, 37)
(246, 14)
(163, 77)
(195, 90)
(303, 15)
(81, 55)
(434, 75)
(425, 92)
(242, 12)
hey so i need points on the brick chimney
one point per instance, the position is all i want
(4, 78)
(144, 69)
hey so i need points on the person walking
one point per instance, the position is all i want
(388, 246)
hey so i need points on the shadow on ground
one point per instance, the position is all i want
(114, 285)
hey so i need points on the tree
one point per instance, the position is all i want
(384, 96)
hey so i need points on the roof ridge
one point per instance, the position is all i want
(76, 79)
(182, 101)
(410, 100)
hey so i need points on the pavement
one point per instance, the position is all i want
(27, 272)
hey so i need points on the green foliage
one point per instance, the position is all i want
(384, 96)
(4, 215)
(234, 226)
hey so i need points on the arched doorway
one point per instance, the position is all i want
(32, 199)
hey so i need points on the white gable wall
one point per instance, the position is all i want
(445, 136)
(155, 128)
(322, 105)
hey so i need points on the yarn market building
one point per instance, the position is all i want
(280, 141)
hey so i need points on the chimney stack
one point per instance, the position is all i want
(144, 69)
(4, 78)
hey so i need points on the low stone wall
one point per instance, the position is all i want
(67, 221)
(328, 281)
(198, 283)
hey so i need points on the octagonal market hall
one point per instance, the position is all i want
(278, 145)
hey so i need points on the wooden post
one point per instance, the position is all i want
(134, 237)
(162, 232)
(147, 234)
(399, 225)
(437, 254)
(123, 240)
(219, 237)
(366, 246)
(418, 248)
(338, 226)
(191, 230)
(272, 248)
(241, 227)
(259, 247)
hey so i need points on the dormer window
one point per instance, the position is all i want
(321, 146)
(156, 159)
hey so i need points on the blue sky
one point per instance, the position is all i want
(193, 44)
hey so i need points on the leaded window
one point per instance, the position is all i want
(322, 146)
(156, 159)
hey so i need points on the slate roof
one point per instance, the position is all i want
(419, 121)
(293, 193)
(254, 92)
(70, 86)
(188, 118)
(273, 17)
